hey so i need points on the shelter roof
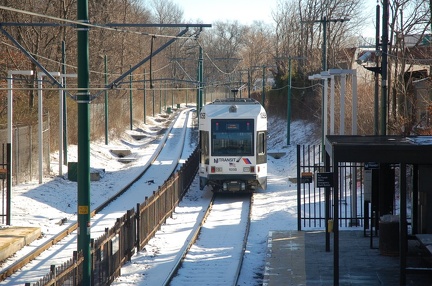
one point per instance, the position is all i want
(380, 149)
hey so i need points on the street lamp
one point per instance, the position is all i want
(40, 120)
(9, 142)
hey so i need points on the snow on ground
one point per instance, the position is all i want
(52, 205)
(273, 209)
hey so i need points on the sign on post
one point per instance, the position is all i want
(371, 165)
(324, 180)
(306, 177)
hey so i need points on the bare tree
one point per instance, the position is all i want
(41, 42)
(223, 45)
(299, 30)
(257, 49)
(409, 22)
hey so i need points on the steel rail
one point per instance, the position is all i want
(195, 237)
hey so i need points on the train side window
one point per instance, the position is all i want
(204, 144)
(261, 146)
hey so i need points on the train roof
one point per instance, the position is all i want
(233, 108)
(235, 100)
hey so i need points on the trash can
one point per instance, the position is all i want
(73, 171)
(389, 235)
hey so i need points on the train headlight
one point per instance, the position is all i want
(250, 169)
(216, 169)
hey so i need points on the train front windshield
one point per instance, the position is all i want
(232, 137)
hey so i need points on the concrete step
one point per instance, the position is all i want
(14, 238)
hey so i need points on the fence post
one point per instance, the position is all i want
(138, 227)
(75, 276)
(53, 273)
(298, 190)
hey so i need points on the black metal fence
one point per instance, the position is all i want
(3, 184)
(132, 231)
(311, 199)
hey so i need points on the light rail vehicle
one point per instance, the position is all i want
(233, 145)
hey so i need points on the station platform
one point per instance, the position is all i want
(14, 238)
(299, 258)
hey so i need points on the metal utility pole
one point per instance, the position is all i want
(377, 72)
(200, 80)
(249, 82)
(83, 179)
(64, 123)
(289, 103)
(289, 98)
(384, 68)
(263, 85)
(130, 102)
(324, 22)
(144, 98)
(106, 105)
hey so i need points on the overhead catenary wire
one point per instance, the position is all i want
(89, 25)
(214, 64)
(114, 83)
(112, 27)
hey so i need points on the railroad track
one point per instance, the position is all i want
(32, 265)
(200, 216)
(215, 255)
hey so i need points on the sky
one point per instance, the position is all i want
(247, 11)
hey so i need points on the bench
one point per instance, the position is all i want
(426, 241)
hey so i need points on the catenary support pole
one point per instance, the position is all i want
(130, 102)
(263, 86)
(65, 128)
(200, 80)
(144, 99)
(289, 103)
(63, 77)
(83, 100)
(106, 105)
